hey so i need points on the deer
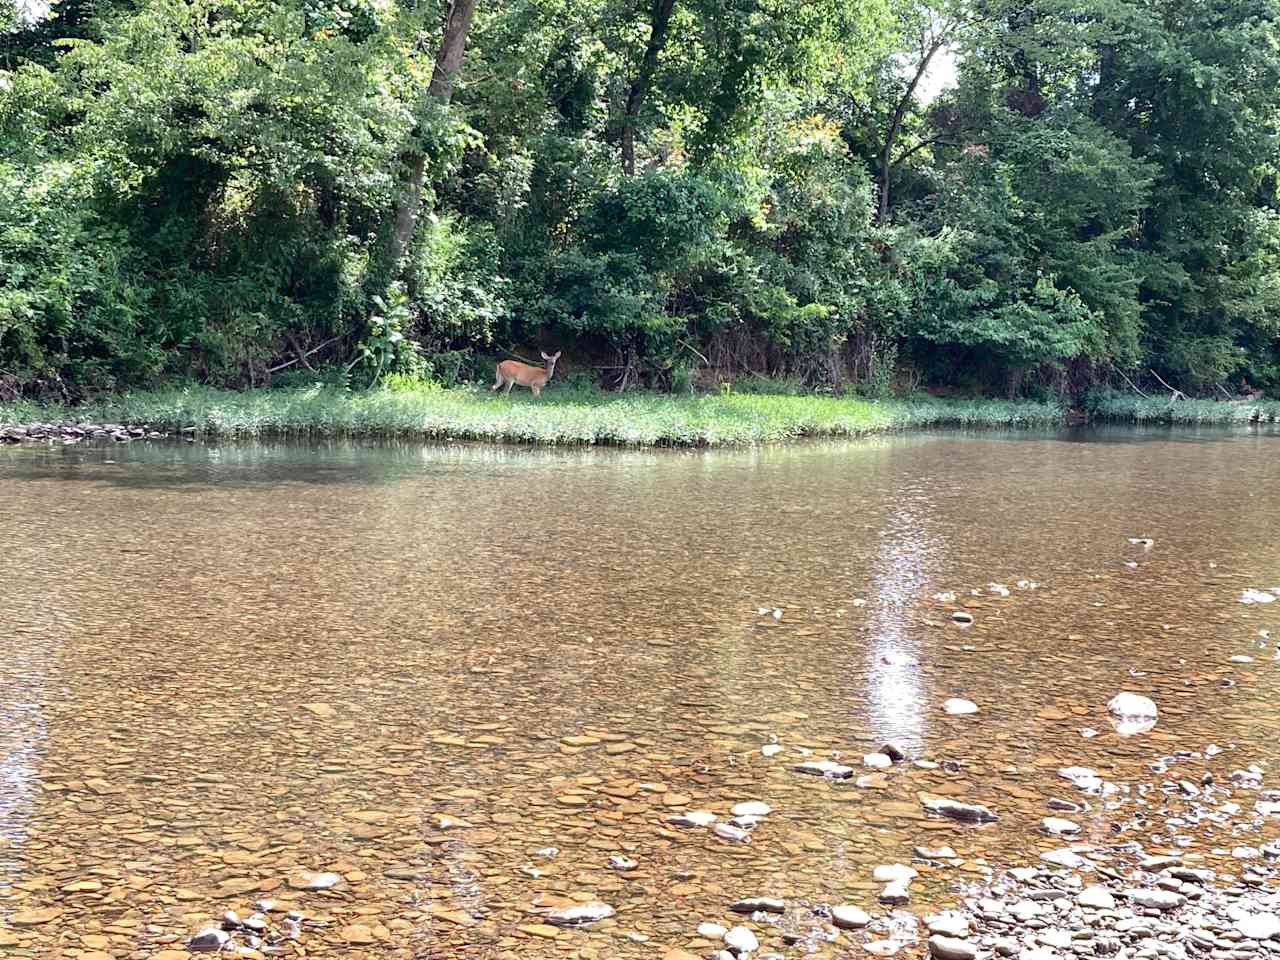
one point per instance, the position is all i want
(512, 372)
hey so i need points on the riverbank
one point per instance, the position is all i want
(472, 413)
(1127, 408)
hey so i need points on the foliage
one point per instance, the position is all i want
(208, 190)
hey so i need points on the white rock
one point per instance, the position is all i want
(757, 904)
(895, 873)
(712, 931)
(825, 768)
(1259, 926)
(961, 617)
(1242, 658)
(949, 948)
(771, 749)
(957, 707)
(580, 914)
(883, 948)
(1057, 826)
(1154, 899)
(878, 760)
(848, 917)
(741, 940)
(896, 892)
(1096, 898)
(1257, 596)
(935, 853)
(968, 812)
(949, 923)
(693, 818)
(1065, 857)
(1132, 706)
(727, 831)
(752, 808)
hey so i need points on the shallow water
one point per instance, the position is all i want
(229, 664)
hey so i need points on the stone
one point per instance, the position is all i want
(693, 818)
(712, 931)
(957, 707)
(949, 923)
(954, 809)
(1132, 706)
(580, 914)
(935, 853)
(210, 940)
(1096, 898)
(314, 881)
(751, 808)
(33, 918)
(877, 760)
(848, 917)
(357, 933)
(895, 873)
(894, 752)
(1259, 926)
(825, 768)
(771, 749)
(727, 831)
(753, 904)
(949, 948)
(623, 864)
(1056, 826)
(883, 948)
(740, 940)
(1156, 899)
(961, 616)
(322, 710)
(895, 893)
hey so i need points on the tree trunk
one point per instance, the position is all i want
(443, 78)
(660, 20)
(895, 127)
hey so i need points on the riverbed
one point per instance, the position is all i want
(419, 701)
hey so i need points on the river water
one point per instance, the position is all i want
(230, 667)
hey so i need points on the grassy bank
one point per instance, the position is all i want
(1134, 409)
(559, 417)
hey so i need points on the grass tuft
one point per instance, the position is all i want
(1134, 409)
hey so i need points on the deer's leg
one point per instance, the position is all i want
(498, 382)
(537, 391)
(510, 384)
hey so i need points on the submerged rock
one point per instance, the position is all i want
(693, 818)
(949, 948)
(727, 831)
(825, 768)
(966, 812)
(751, 808)
(741, 940)
(848, 917)
(754, 904)
(957, 707)
(208, 941)
(580, 914)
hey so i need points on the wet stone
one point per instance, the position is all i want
(208, 941)
(740, 940)
(848, 917)
(825, 768)
(754, 904)
(580, 915)
(950, 948)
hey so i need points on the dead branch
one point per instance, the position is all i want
(1176, 393)
(1134, 385)
(302, 357)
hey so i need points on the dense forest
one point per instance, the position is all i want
(1017, 197)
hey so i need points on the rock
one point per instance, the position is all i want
(895, 873)
(935, 853)
(1156, 899)
(848, 917)
(1064, 806)
(580, 914)
(1083, 778)
(727, 831)
(967, 812)
(1131, 706)
(712, 931)
(877, 760)
(208, 941)
(322, 710)
(894, 752)
(231, 920)
(957, 707)
(1259, 926)
(895, 893)
(961, 616)
(1056, 826)
(33, 918)
(949, 923)
(883, 948)
(949, 948)
(314, 881)
(825, 768)
(1065, 857)
(740, 940)
(357, 933)
(751, 808)
(754, 904)
(1096, 898)
(771, 749)
(621, 863)
(693, 818)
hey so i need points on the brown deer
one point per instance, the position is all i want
(511, 372)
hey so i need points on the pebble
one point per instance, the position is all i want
(883, 948)
(877, 760)
(895, 893)
(848, 917)
(1259, 926)
(771, 749)
(935, 853)
(712, 931)
(741, 940)
(1132, 706)
(208, 941)
(693, 818)
(727, 831)
(1156, 899)
(825, 768)
(621, 863)
(949, 923)
(1096, 898)
(957, 707)
(961, 617)
(580, 914)
(1056, 826)
(754, 904)
(968, 812)
(949, 948)
(751, 808)
(895, 873)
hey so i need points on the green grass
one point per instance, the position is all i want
(1135, 409)
(559, 417)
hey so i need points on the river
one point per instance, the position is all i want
(231, 667)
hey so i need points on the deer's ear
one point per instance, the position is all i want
(544, 355)
(556, 357)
